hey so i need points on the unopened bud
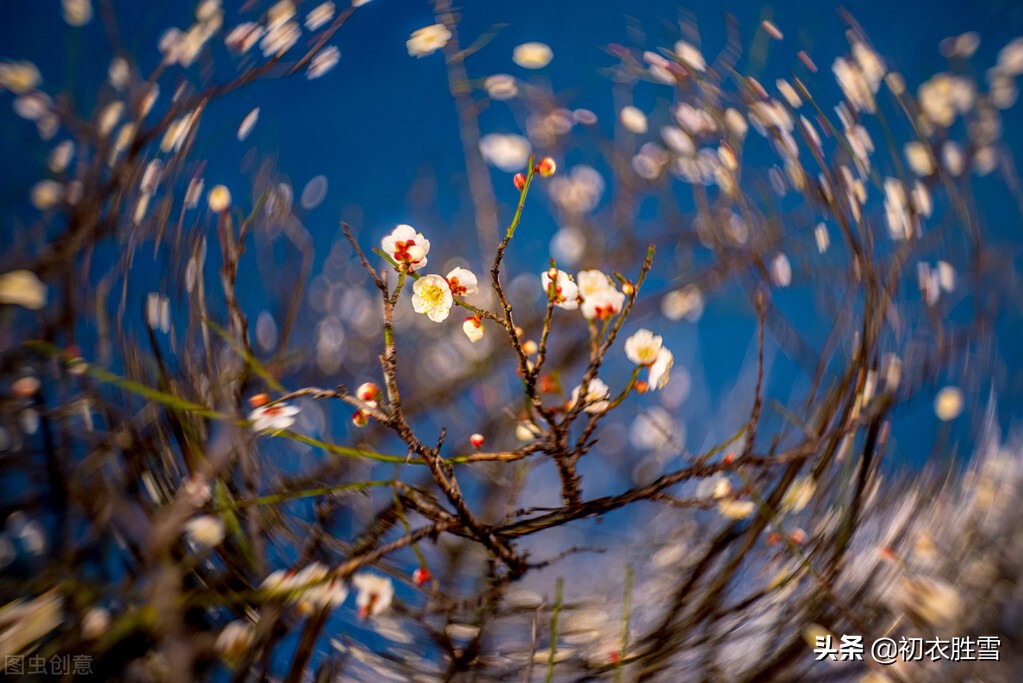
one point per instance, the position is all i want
(546, 167)
(476, 440)
(798, 537)
(421, 576)
(641, 386)
(368, 391)
(219, 198)
(360, 418)
(259, 400)
(529, 347)
(520, 181)
(628, 289)
(473, 329)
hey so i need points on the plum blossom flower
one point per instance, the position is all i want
(597, 395)
(642, 347)
(948, 404)
(319, 16)
(234, 640)
(76, 12)
(799, 494)
(427, 40)
(565, 294)
(690, 55)
(473, 329)
(633, 120)
(22, 288)
(323, 62)
(375, 594)
(432, 296)
(532, 55)
(406, 246)
(601, 299)
(205, 531)
(244, 36)
(462, 282)
(501, 87)
(284, 582)
(95, 623)
(736, 509)
(219, 198)
(661, 369)
(273, 418)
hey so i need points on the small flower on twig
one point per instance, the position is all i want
(273, 418)
(432, 297)
(406, 246)
(473, 328)
(375, 594)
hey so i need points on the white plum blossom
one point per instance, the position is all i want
(22, 288)
(432, 297)
(566, 292)
(736, 509)
(597, 395)
(285, 582)
(428, 40)
(601, 299)
(323, 62)
(234, 640)
(462, 282)
(248, 123)
(273, 418)
(661, 369)
(319, 16)
(690, 56)
(95, 623)
(219, 198)
(799, 494)
(375, 594)
(633, 120)
(532, 55)
(948, 404)
(406, 246)
(506, 152)
(244, 36)
(501, 87)
(642, 347)
(205, 531)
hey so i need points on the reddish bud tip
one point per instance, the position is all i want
(520, 181)
(642, 386)
(259, 400)
(773, 538)
(421, 576)
(476, 440)
(368, 391)
(360, 418)
(546, 167)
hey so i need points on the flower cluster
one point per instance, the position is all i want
(594, 293)
(432, 295)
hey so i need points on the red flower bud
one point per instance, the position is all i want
(520, 181)
(421, 576)
(546, 167)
